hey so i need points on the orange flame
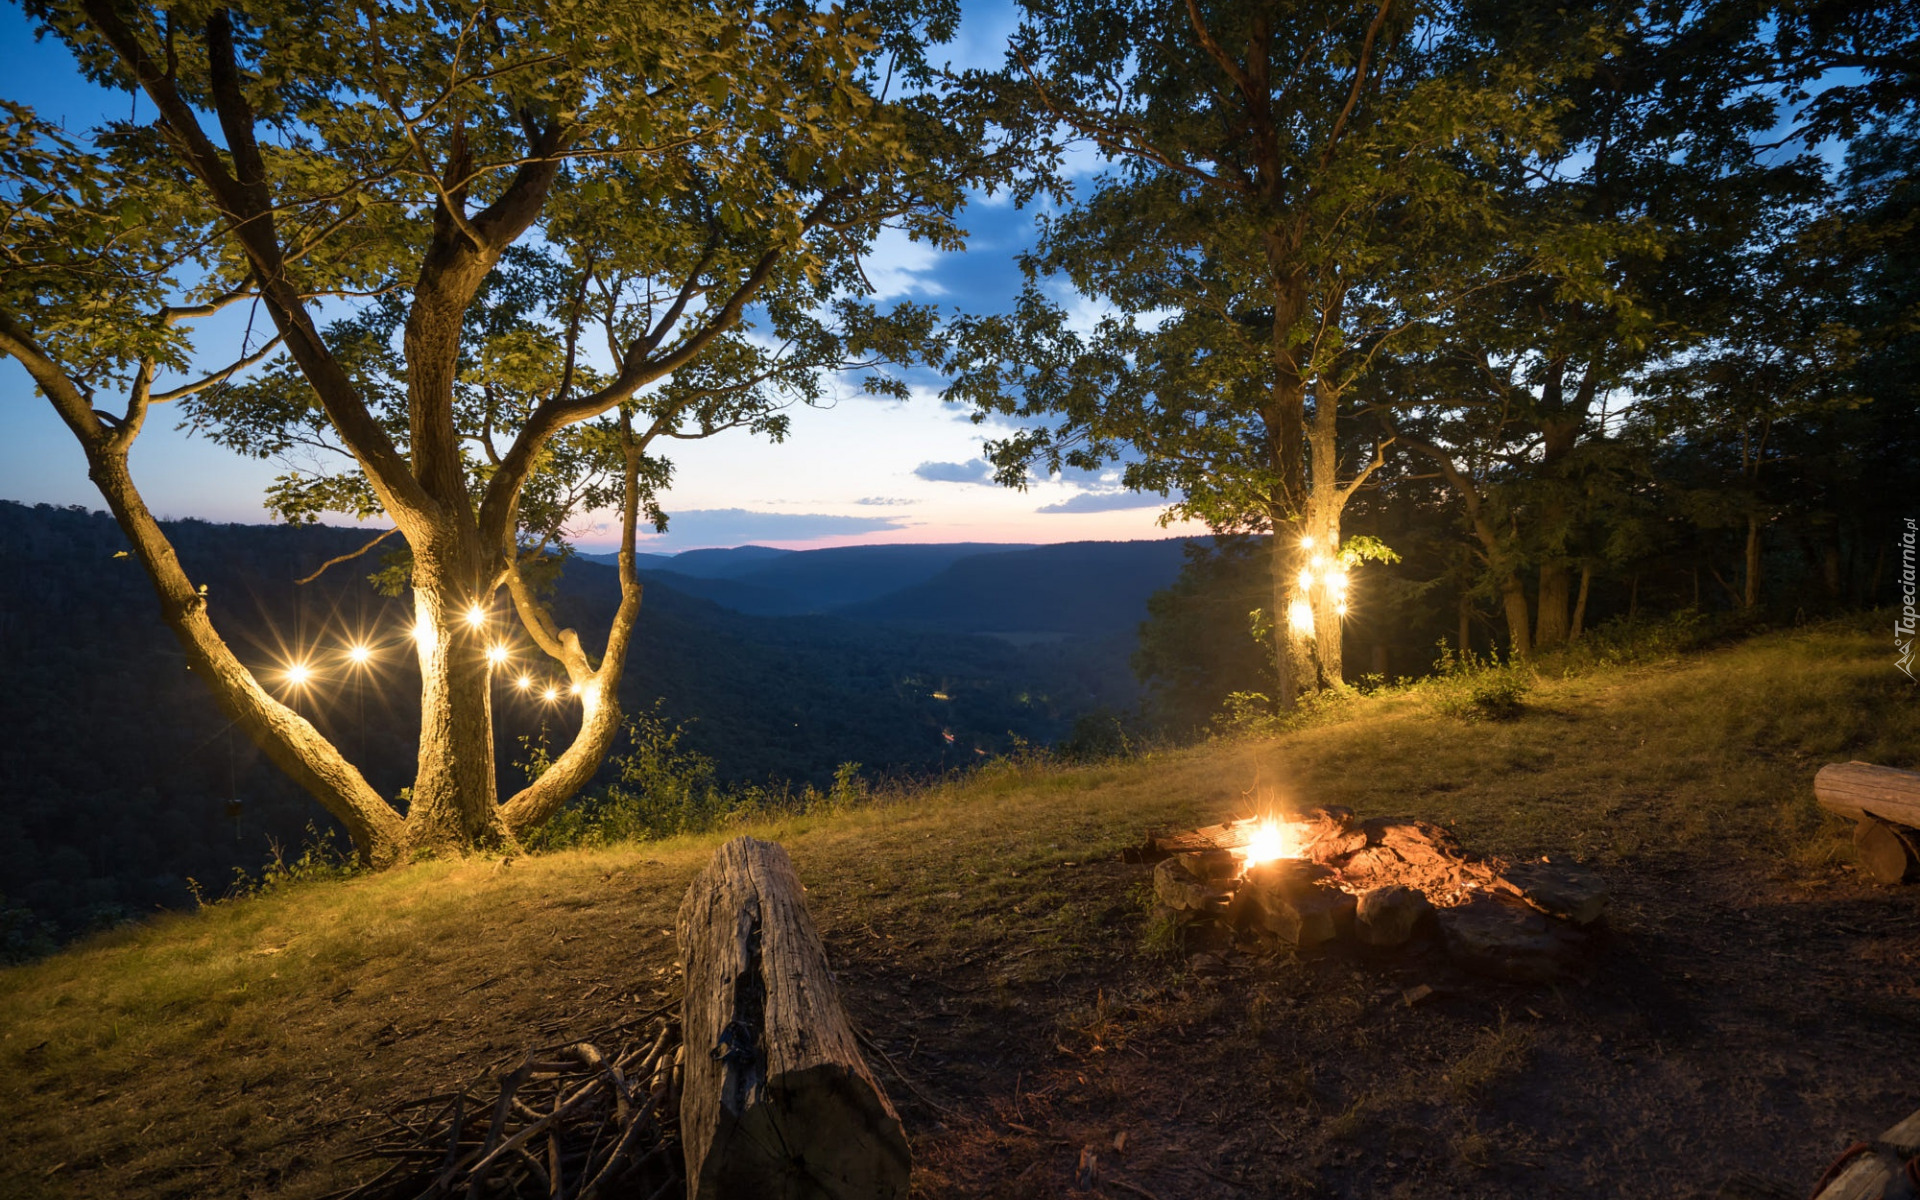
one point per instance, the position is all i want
(1272, 839)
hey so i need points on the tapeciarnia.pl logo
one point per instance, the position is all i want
(1904, 624)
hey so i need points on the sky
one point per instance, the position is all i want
(861, 471)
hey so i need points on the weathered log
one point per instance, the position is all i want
(777, 1101)
(1857, 789)
(1866, 1176)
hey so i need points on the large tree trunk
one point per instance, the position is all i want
(1556, 594)
(454, 799)
(778, 1102)
(1580, 604)
(1293, 654)
(1513, 598)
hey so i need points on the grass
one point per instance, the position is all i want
(984, 931)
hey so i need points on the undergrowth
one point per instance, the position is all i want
(664, 790)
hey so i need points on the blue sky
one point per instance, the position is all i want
(860, 471)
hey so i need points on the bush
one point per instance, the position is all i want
(1467, 687)
(665, 789)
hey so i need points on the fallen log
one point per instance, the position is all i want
(777, 1101)
(1868, 1170)
(1885, 806)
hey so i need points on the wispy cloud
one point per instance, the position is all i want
(884, 501)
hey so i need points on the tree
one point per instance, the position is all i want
(442, 211)
(1652, 193)
(1292, 187)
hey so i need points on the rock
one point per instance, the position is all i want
(1386, 916)
(1501, 936)
(1577, 896)
(1183, 891)
(1214, 866)
(1291, 900)
(1207, 965)
(1416, 994)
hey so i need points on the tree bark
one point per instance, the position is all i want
(454, 799)
(1580, 604)
(778, 1102)
(1750, 596)
(1556, 593)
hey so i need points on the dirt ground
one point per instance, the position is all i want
(1726, 1029)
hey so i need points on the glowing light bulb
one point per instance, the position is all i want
(496, 654)
(298, 674)
(550, 695)
(573, 689)
(1336, 581)
(1300, 617)
(1306, 579)
(523, 683)
(1306, 543)
(1341, 608)
(476, 616)
(359, 653)
(1319, 562)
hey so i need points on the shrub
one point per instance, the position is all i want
(664, 789)
(1467, 687)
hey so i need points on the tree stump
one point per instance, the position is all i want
(1886, 852)
(777, 1101)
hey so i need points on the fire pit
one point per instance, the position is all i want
(1309, 879)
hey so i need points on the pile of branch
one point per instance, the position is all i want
(596, 1117)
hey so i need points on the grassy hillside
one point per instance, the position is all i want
(1748, 1013)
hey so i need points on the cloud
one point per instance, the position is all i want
(700, 527)
(884, 501)
(1090, 502)
(975, 471)
(900, 266)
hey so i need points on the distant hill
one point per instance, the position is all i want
(700, 564)
(124, 779)
(1073, 589)
(774, 583)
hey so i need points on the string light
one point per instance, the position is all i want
(496, 655)
(573, 689)
(550, 695)
(476, 616)
(1306, 579)
(523, 683)
(359, 653)
(298, 674)
(1306, 543)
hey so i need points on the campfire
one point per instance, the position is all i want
(1321, 876)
